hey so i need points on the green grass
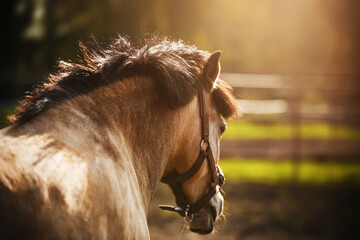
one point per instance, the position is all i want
(275, 172)
(247, 130)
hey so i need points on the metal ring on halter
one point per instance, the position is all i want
(202, 142)
(187, 217)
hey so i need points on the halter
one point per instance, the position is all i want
(175, 180)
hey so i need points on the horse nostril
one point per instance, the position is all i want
(201, 231)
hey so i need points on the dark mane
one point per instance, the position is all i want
(176, 67)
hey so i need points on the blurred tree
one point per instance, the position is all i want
(255, 35)
(15, 17)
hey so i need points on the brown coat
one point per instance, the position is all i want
(87, 150)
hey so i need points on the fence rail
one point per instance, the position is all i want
(296, 100)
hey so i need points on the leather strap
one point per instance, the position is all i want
(212, 165)
(191, 172)
(204, 115)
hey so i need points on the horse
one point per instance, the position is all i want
(88, 147)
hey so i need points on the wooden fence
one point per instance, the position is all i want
(297, 100)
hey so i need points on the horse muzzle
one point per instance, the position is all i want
(203, 220)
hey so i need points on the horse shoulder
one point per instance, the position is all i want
(67, 194)
(41, 186)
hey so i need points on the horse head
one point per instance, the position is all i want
(193, 173)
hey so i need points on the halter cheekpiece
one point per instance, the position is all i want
(175, 180)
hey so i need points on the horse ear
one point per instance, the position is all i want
(212, 68)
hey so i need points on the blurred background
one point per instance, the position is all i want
(293, 161)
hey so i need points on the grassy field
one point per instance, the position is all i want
(276, 171)
(283, 172)
(242, 129)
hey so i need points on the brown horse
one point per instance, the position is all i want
(88, 148)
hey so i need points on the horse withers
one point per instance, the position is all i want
(88, 148)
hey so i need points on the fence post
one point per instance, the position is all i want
(295, 120)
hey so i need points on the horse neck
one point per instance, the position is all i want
(127, 112)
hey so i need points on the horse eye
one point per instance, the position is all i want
(222, 129)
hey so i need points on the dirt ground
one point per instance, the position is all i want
(265, 212)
